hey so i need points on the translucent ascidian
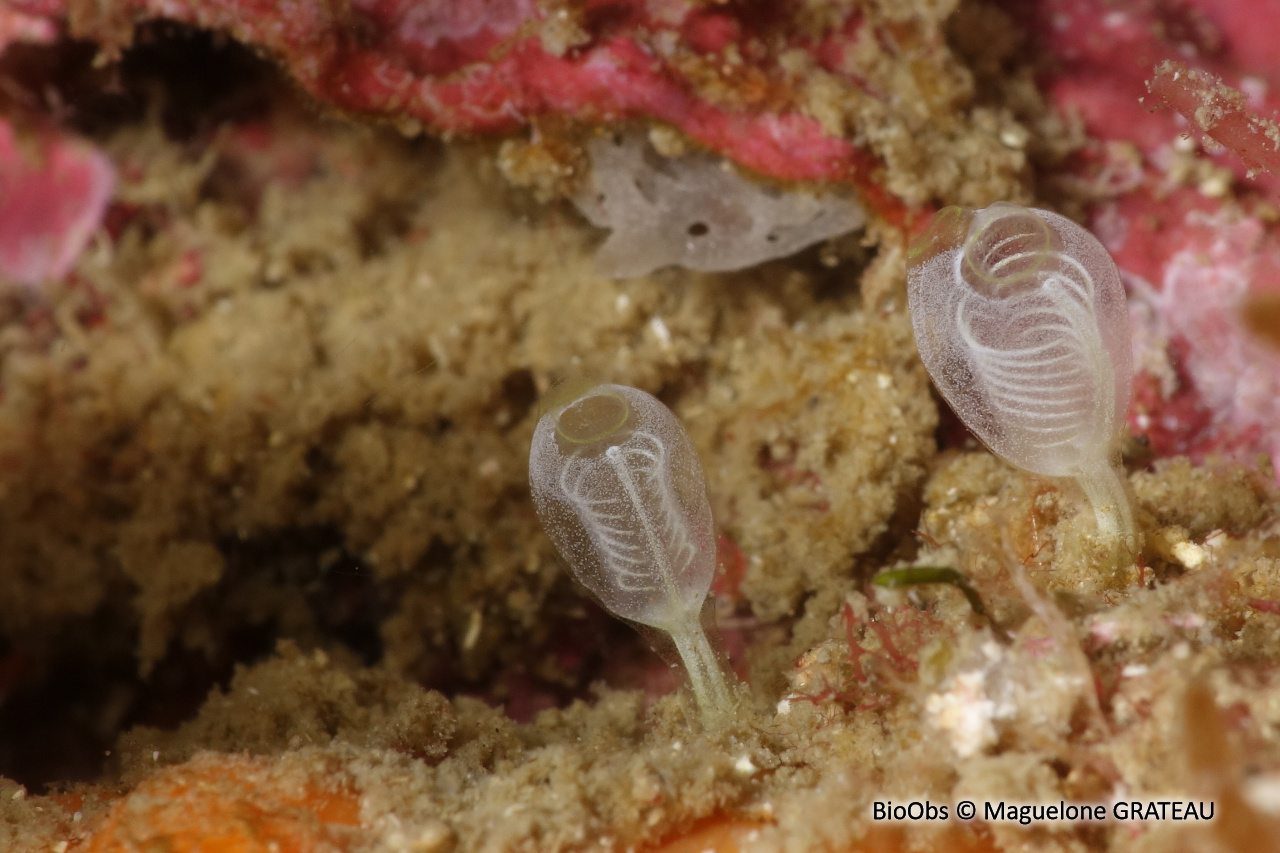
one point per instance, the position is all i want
(1021, 321)
(619, 490)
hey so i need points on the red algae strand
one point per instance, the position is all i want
(1220, 111)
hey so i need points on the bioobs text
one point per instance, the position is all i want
(914, 810)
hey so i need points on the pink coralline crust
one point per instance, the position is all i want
(35, 25)
(53, 193)
(440, 38)
(481, 66)
(485, 67)
(1217, 391)
(1190, 257)
(1108, 51)
(1201, 295)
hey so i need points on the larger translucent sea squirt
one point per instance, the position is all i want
(1021, 320)
(619, 490)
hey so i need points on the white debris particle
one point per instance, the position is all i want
(661, 332)
(1187, 621)
(474, 624)
(744, 766)
(1216, 185)
(1255, 90)
(964, 712)
(1263, 793)
(1015, 136)
(1105, 631)
(435, 837)
(1189, 554)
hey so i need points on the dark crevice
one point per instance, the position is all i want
(63, 706)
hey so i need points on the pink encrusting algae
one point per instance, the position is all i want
(1191, 250)
(19, 26)
(1197, 303)
(53, 192)
(495, 67)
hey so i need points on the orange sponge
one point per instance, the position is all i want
(230, 804)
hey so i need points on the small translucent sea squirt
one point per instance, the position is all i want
(1021, 320)
(618, 488)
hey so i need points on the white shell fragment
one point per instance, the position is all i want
(697, 212)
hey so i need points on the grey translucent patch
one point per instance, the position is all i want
(697, 211)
